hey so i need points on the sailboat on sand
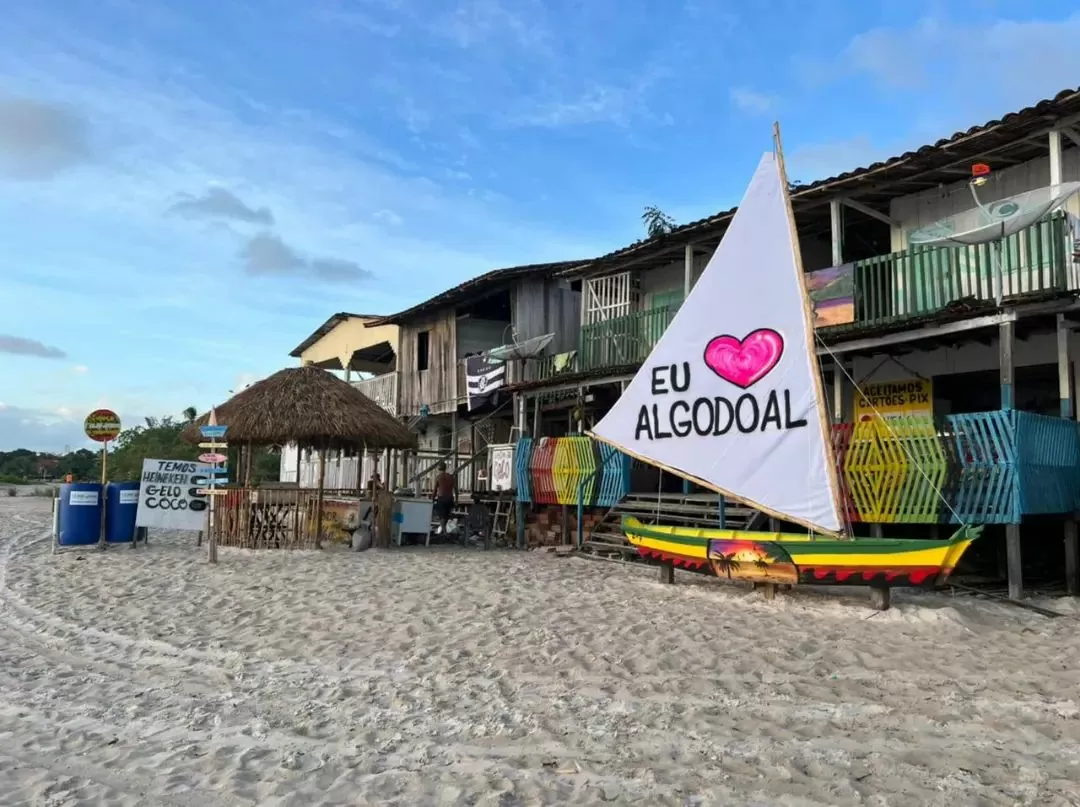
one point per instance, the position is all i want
(731, 399)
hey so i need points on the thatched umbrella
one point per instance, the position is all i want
(314, 409)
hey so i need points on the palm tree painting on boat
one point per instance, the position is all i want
(752, 561)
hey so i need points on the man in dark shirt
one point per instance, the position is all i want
(444, 496)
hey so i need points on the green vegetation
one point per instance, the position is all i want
(657, 222)
(160, 438)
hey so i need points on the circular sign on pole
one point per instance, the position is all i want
(102, 425)
(213, 459)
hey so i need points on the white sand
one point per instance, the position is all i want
(423, 677)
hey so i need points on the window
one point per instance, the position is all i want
(423, 340)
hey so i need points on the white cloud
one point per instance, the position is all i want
(39, 430)
(949, 76)
(324, 194)
(992, 66)
(80, 369)
(388, 217)
(752, 101)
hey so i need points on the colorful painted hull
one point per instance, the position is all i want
(777, 557)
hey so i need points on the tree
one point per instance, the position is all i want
(657, 222)
(159, 439)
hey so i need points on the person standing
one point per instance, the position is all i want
(445, 485)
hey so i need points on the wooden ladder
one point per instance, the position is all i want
(500, 520)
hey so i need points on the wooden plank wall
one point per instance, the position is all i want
(548, 306)
(436, 386)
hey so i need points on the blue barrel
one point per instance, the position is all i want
(80, 514)
(121, 503)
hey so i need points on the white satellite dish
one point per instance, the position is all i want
(991, 223)
(520, 348)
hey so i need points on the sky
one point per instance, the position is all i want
(189, 188)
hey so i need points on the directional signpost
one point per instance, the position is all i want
(216, 458)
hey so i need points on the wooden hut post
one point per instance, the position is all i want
(296, 512)
(247, 465)
(319, 497)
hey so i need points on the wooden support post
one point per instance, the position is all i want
(472, 456)
(565, 525)
(838, 392)
(688, 269)
(1064, 361)
(1006, 333)
(319, 496)
(1054, 137)
(519, 512)
(519, 415)
(880, 597)
(875, 531)
(1071, 583)
(1012, 554)
(536, 418)
(667, 572)
(768, 590)
(721, 512)
(836, 231)
(454, 442)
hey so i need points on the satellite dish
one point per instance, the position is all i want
(996, 220)
(520, 348)
(991, 223)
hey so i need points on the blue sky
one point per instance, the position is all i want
(188, 189)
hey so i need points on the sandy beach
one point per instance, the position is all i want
(424, 677)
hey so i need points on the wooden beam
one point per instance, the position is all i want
(1070, 133)
(688, 269)
(1071, 556)
(836, 232)
(926, 332)
(1054, 138)
(1012, 560)
(1006, 334)
(869, 211)
(1064, 359)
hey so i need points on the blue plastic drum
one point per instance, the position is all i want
(121, 504)
(79, 522)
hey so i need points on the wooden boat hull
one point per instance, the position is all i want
(789, 558)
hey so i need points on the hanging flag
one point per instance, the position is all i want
(484, 376)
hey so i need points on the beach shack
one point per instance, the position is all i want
(318, 413)
(970, 345)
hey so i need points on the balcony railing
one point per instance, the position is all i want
(623, 340)
(889, 288)
(382, 389)
(922, 280)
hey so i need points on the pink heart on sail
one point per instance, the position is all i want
(744, 362)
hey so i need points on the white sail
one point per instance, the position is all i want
(731, 394)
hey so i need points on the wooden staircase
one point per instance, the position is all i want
(679, 509)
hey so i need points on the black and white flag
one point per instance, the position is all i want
(483, 377)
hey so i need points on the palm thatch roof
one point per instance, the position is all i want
(308, 406)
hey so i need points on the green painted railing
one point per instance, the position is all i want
(922, 280)
(888, 289)
(623, 340)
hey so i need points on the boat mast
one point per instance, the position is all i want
(811, 347)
